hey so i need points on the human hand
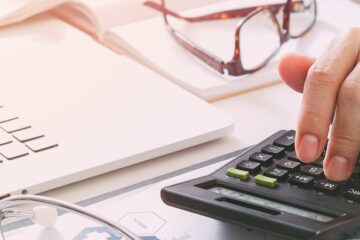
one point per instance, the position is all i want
(331, 94)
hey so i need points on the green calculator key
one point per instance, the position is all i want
(266, 181)
(236, 173)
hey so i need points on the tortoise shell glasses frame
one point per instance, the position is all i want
(234, 67)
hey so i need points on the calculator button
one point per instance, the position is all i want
(266, 181)
(291, 166)
(275, 151)
(261, 158)
(279, 174)
(327, 186)
(316, 172)
(302, 180)
(353, 193)
(239, 174)
(249, 166)
(293, 156)
(286, 141)
(319, 162)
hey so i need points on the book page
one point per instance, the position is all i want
(12, 11)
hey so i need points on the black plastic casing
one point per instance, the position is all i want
(194, 196)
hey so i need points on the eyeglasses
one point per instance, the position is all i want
(258, 37)
(76, 223)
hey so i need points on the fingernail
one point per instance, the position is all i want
(308, 148)
(337, 169)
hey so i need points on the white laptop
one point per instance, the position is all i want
(72, 109)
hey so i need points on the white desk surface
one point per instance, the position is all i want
(257, 115)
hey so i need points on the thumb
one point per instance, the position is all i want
(293, 69)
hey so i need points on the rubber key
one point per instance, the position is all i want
(266, 181)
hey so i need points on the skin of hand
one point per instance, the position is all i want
(331, 95)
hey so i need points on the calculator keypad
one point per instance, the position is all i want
(316, 172)
(261, 158)
(286, 141)
(319, 162)
(327, 186)
(291, 166)
(286, 196)
(293, 156)
(302, 180)
(353, 192)
(278, 162)
(279, 174)
(251, 167)
(275, 151)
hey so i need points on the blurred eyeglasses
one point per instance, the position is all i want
(258, 36)
(76, 223)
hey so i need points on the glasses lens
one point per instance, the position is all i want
(259, 40)
(302, 16)
(68, 226)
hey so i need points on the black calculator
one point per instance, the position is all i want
(268, 189)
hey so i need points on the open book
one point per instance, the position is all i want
(127, 26)
(130, 27)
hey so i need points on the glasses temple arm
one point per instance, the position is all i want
(212, 61)
(235, 13)
(295, 6)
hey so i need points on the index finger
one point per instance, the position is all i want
(319, 96)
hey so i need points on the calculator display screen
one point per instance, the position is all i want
(271, 204)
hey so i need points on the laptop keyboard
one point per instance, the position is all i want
(18, 139)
